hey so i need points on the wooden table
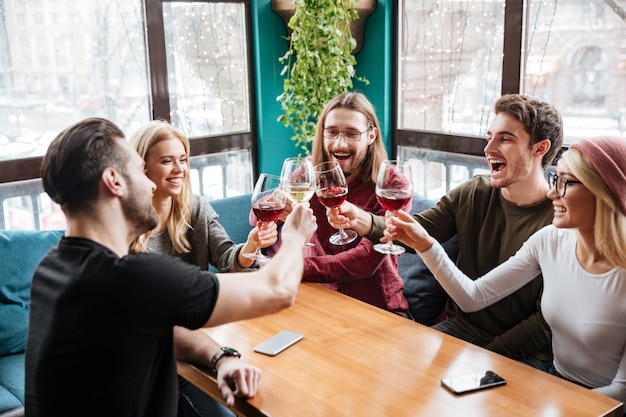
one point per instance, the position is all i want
(358, 360)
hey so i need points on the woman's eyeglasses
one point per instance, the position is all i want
(560, 183)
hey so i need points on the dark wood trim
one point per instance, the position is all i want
(155, 40)
(395, 94)
(441, 142)
(20, 169)
(215, 144)
(512, 48)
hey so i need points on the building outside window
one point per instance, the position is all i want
(450, 72)
(62, 61)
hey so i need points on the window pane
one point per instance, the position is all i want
(64, 60)
(576, 61)
(207, 67)
(450, 64)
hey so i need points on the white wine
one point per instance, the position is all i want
(299, 193)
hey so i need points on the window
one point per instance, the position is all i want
(62, 61)
(456, 57)
(449, 64)
(576, 62)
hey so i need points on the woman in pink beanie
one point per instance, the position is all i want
(582, 258)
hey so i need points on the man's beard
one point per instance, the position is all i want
(358, 160)
(140, 212)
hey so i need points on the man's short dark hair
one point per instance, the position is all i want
(540, 119)
(76, 159)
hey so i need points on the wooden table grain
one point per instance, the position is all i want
(358, 360)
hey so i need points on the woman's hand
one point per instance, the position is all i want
(266, 234)
(402, 227)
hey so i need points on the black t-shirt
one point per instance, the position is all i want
(100, 337)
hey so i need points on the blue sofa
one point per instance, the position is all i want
(20, 251)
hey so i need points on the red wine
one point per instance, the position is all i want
(333, 196)
(392, 199)
(268, 212)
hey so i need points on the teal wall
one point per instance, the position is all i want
(274, 143)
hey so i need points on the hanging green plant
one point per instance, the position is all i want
(319, 64)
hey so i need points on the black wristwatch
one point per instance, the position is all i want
(223, 351)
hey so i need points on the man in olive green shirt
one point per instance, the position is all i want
(493, 215)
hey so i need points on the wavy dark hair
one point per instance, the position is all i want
(541, 121)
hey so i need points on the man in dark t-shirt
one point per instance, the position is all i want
(100, 338)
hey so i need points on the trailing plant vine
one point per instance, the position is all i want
(319, 64)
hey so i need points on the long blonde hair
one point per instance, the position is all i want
(610, 224)
(376, 152)
(179, 219)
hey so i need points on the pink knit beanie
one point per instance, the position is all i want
(608, 156)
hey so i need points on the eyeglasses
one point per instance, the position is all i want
(348, 135)
(560, 183)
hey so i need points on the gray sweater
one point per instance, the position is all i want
(210, 244)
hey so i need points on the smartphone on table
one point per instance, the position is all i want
(277, 343)
(472, 382)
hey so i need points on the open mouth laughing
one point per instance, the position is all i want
(497, 166)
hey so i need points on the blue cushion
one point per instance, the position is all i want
(8, 401)
(233, 212)
(423, 292)
(11, 381)
(20, 252)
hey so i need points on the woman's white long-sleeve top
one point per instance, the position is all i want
(586, 312)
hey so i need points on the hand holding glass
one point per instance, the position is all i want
(332, 191)
(394, 188)
(268, 202)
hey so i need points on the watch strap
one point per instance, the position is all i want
(223, 351)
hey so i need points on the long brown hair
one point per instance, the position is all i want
(376, 152)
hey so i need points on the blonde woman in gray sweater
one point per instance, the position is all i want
(189, 229)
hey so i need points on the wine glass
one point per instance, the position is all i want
(332, 191)
(298, 180)
(268, 202)
(394, 188)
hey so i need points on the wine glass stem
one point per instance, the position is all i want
(390, 242)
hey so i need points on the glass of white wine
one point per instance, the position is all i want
(297, 179)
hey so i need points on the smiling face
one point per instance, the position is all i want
(577, 208)
(167, 166)
(508, 151)
(349, 155)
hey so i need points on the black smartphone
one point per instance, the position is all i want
(472, 382)
(277, 343)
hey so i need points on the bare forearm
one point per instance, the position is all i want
(194, 346)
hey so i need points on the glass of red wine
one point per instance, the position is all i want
(332, 190)
(394, 188)
(268, 202)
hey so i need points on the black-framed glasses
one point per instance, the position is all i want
(560, 183)
(348, 135)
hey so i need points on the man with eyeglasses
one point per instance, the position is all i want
(348, 133)
(492, 216)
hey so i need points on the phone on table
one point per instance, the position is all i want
(277, 343)
(472, 382)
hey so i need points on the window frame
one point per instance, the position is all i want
(511, 76)
(29, 168)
